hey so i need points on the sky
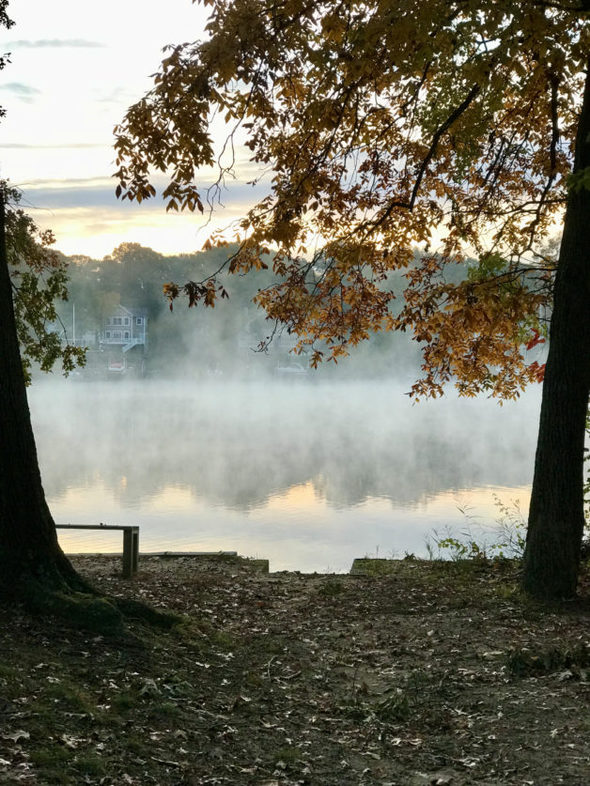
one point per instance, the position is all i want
(75, 68)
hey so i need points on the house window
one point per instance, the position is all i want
(108, 333)
(116, 320)
(126, 334)
(117, 334)
(126, 320)
(138, 320)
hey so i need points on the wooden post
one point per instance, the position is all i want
(135, 560)
(128, 553)
(130, 543)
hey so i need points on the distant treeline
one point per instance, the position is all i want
(196, 341)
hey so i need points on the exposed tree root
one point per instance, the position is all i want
(80, 610)
(59, 591)
(136, 610)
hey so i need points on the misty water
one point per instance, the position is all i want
(307, 474)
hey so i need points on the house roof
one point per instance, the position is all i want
(138, 312)
(133, 312)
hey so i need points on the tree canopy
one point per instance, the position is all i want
(39, 277)
(387, 126)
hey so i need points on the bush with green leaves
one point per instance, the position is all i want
(39, 278)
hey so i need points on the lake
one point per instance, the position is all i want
(307, 474)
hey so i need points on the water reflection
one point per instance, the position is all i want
(345, 462)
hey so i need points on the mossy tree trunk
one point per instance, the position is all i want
(556, 518)
(31, 560)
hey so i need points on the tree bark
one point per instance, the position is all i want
(29, 550)
(33, 568)
(556, 517)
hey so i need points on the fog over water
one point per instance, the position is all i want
(309, 474)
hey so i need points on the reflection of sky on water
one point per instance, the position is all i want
(309, 477)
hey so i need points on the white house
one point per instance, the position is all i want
(126, 328)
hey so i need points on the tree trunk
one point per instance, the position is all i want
(30, 556)
(33, 568)
(556, 517)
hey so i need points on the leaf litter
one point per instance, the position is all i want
(419, 673)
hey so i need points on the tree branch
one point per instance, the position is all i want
(442, 129)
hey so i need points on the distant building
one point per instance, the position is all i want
(125, 328)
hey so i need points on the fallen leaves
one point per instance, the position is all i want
(391, 679)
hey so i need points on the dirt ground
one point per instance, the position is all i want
(408, 673)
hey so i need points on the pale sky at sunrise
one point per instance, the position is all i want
(75, 68)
